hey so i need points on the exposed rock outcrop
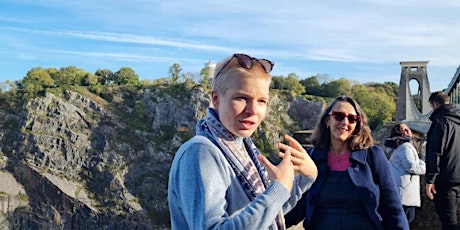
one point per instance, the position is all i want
(79, 161)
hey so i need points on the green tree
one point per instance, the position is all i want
(391, 88)
(174, 72)
(293, 84)
(126, 76)
(359, 91)
(36, 80)
(205, 79)
(161, 81)
(323, 78)
(277, 82)
(188, 77)
(146, 82)
(104, 76)
(378, 106)
(69, 75)
(290, 83)
(7, 86)
(336, 88)
(311, 85)
(53, 72)
(89, 80)
(3, 87)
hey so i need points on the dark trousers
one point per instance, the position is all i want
(446, 201)
(410, 213)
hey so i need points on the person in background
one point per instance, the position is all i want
(406, 167)
(354, 188)
(218, 179)
(443, 159)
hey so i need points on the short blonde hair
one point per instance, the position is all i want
(229, 68)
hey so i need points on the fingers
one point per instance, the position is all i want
(293, 143)
(296, 157)
(265, 162)
(430, 191)
(287, 155)
(297, 150)
(271, 167)
(301, 161)
(283, 172)
(268, 166)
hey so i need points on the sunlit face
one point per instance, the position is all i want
(341, 130)
(243, 106)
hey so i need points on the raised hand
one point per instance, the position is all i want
(302, 162)
(283, 172)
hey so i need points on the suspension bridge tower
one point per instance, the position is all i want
(406, 107)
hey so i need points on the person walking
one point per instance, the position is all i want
(406, 167)
(443, 159)
(218, 178)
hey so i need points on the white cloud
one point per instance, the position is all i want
(337, 34)
(123, 56)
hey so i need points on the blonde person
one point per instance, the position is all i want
(406, 167)
(219, 179)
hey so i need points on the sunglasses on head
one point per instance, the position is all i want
(339, 116)
(247, 62)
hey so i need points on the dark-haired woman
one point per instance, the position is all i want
(354, 188)
(406, 166)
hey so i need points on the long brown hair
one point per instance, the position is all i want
(361, 137)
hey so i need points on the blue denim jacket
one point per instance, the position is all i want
(375, 184)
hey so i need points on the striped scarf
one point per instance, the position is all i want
(241, 154)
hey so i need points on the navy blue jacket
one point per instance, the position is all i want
(374, 183)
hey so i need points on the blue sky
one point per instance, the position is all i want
(362, 40)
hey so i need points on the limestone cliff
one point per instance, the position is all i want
(75, 160)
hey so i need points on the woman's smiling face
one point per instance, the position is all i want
(341, 130)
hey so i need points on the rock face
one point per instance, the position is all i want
(75, 160)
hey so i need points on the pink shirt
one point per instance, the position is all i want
(338, 162)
